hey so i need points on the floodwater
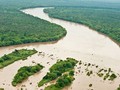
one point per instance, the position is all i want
(81, 43)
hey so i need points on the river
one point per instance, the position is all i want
(81, 43)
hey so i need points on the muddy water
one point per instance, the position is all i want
(80, 42)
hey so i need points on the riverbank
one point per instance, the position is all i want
(99, 19)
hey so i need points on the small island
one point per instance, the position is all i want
(24, 72)
(15, 56)
(57, 70)
(64, 80)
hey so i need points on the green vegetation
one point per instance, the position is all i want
(18, 28)
(107, 74)
(112, 77)
(89, 73)
(24, 72)
(90, 85)
(15, 56)
(106, 21)
(1, 88)
(118, 88)
(58, 69)
(71, 73)
(100, 74)
(63, 81)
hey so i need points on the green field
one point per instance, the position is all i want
(104, 20)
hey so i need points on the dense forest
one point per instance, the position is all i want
(18, 28)
(16, 55)
(24, 72)
(104, 20)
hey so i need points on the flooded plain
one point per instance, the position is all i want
(81, 43)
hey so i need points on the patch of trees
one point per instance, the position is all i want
(1, 88)
(15, 56)
(106, 21)
(107, 74)
(24, 72)
(118, 88)
(58, 69)
(62, 81)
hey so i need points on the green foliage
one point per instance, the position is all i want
(15, 56)
(19, 28)
(89, 73)
(106, 21)
(118, 88)
(112, 77)
(100, 74)
(107, 74)
(1, 88)
(63, 81)
(63, 66)
(24, 72)
(58, 69)
(71, 73)
(90, 85)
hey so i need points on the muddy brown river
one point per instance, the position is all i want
(81, 43)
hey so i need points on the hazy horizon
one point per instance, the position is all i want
(109, 1)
